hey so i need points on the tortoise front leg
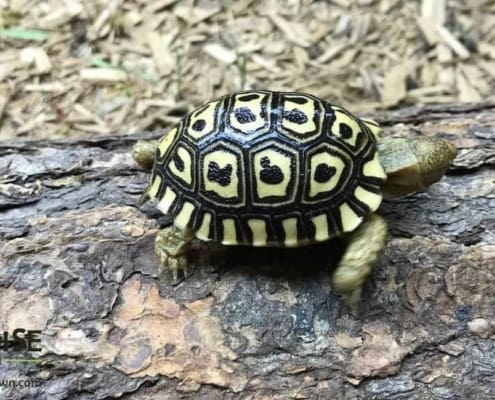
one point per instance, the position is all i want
(171, 245)
(365, 244)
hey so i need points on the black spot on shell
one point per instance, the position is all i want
(324, 172)
(222, 176)
(244, 115)
(296, 116)
(199, 125)
(179, 163)
(248, 97)
(345, 131)
(299, 100)
(270, 174)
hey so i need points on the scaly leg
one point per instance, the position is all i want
(143, 152)
(365, 244)
(171, 245)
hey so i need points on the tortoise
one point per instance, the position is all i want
(283, 169)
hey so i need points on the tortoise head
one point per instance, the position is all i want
(414, 164)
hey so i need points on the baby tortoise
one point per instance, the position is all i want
(263, 168)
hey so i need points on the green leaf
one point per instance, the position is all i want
(100, 63)
(23, 34)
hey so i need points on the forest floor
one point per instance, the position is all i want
(79, 68)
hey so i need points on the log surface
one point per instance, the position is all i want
(77, 263)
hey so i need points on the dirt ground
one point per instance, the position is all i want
(79, 68)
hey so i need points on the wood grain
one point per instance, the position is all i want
(77, 263)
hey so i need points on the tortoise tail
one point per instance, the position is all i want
(144, 197)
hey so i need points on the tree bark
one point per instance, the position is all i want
(77, 263)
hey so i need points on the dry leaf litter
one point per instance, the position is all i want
(95, 67)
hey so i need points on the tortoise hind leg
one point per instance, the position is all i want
(171, 245)
(143, 152)
(365, 244)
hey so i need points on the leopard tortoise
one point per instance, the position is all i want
(265, 168)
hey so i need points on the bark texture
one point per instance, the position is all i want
(77, 262)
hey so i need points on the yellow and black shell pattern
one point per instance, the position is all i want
(265, 168)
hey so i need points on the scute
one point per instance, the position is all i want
(275, 167)
(301, 116)
(266, 168)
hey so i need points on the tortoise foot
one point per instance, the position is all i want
(171, 245)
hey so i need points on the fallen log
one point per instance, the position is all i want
(77, 263)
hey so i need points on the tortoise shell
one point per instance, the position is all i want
(264, 168)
